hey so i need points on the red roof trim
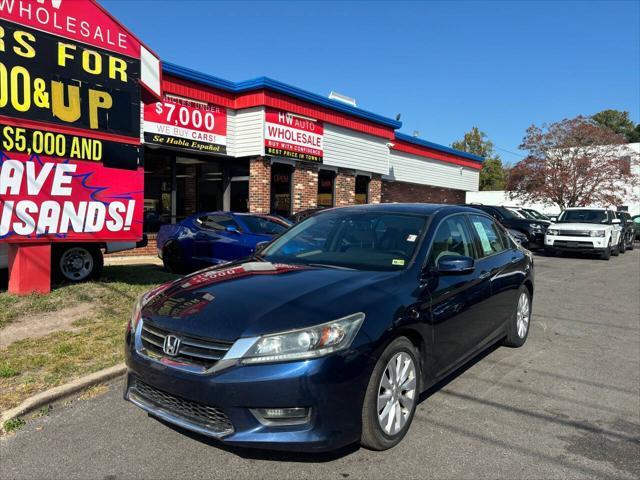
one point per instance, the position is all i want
(433, 154)
(185, 88)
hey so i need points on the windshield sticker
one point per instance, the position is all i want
(412, 238)
(397, 261)
(482, 233)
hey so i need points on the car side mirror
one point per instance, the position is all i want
(455, 264)
(232, 229)
(553, 219)
(616, 221)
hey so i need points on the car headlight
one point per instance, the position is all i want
(535, 226)
(552, 231)
(311, 342)
(143, 300)
(597, 233)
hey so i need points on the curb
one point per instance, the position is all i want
(61, 391)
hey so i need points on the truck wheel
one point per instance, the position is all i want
(76, 263)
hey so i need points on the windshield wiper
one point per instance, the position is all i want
(325, 265)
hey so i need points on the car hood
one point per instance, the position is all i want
(579, 226)
(254, 298)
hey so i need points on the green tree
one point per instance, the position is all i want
(493, 175)
(619, 122)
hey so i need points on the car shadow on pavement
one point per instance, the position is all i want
(263, 454)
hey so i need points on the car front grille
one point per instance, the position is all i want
(565, 244)
(212, 419)
(574, 233)
(192, 350)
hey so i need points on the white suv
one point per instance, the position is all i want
(585, 230)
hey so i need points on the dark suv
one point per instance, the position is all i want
(628, 231)
(533, 229)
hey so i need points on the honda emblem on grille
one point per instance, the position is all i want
(171, 345)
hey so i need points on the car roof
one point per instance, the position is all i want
(412, 208)
(588, 208)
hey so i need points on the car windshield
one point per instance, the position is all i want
(360, 240)
(506, 213)
(536, 214)
(522, 213)
(263, 225)
(583, 216)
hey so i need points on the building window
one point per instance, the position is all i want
(362, 189)
(326, 184)
(157, 190)
(281, 189)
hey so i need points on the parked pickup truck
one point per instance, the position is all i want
(585, 230)
(76, 262)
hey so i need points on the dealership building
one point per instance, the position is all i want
(266, 147)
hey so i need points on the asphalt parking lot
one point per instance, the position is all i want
(566, 405)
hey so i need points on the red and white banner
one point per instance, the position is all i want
(65, 200)
(84, 21)
(184, 123)
(293, 136)
(70, 122)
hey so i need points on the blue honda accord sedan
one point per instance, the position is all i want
(328, 335)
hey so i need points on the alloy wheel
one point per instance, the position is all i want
(396, 393)
(522, 315)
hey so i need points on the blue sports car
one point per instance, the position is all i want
(206, 239)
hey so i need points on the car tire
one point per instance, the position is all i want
(520, 322)
(172, 258)
(76, 263)
(631, 245)
(374, 435)
(615, 251)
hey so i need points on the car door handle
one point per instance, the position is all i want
(515, 259)
(484, 275)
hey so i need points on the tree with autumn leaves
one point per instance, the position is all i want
(574, 162)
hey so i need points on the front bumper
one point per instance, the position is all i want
(575, 244)
(536, 240)
(332, 387)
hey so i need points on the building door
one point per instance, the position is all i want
(281, 189)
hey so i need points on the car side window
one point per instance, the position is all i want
(490, 237)
(217, 221)
(451, 238)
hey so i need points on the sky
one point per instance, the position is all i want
(444, 66)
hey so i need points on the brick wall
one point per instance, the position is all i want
(305, 187)
(413, 193)
(375, 189)
(345, 188)
(259, 185)
(150, 249)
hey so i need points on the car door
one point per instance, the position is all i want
(456, 299)
(503, 263)
(213, 243)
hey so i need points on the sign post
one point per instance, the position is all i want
(70, 162)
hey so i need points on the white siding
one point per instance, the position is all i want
(404, 167)
(354, 150)
(245, 132)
